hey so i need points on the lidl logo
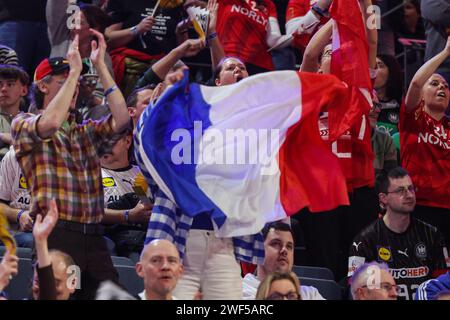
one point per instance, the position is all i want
(22, 182)
(108, 182)
(384, 254)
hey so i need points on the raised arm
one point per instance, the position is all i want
(188, 48)
(370, 22)
(118, 37)
(116, 101)
(274, 35)
(414, 94)
(41, 231)
(216, 49)
(56, 111)
(315, 48)
(307, 23)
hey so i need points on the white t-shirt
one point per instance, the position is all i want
(13, 187)
(144, 297)
(116, 183)
(250, 285)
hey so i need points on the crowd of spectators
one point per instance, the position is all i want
(76, 76)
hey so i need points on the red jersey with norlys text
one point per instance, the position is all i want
(425, 153)
(241, 27)
(299, 8)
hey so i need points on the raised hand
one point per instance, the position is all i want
(175, 76)
(212, 8)
(43, 227)
(191, 47)
(98, 48)
(73, 55)
(447, 46)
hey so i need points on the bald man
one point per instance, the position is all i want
(373, 281)
(160, 267)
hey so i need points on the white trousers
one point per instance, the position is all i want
(209, 266)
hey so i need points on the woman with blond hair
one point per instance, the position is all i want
(279, 286)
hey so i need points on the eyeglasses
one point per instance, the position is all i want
(89, 81)
(287, 296)
(403, 191)
(383, 285)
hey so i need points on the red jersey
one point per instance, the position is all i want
(241, 27)
(424, 150)
(299, 8)
(356, 166)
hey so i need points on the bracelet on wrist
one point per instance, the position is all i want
(110, 90)
(127, 216)
(210, 37)
(319, 11)
(19, 214)
(134, 31)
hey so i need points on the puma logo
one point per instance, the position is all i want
(403, 252)
(356, 245)
(127, 181)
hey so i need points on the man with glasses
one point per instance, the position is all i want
(413, 250)
(373, 281)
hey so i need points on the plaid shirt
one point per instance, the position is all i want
(65, 167)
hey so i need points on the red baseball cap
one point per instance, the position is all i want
(52, 66)
(49, 66)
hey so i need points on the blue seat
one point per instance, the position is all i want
(122, 261)
(20, 286)
(329, 289)
(313, 272)
(130, 280)
(20, 252)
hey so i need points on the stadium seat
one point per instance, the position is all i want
(21, 252)
(329, 289)
(130, 280)
(135, 257)
(313, 272)
(122, 261)
(20, 286)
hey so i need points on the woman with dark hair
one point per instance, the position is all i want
(229, 70)
(389, 87)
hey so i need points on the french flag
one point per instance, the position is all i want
(247, 153)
